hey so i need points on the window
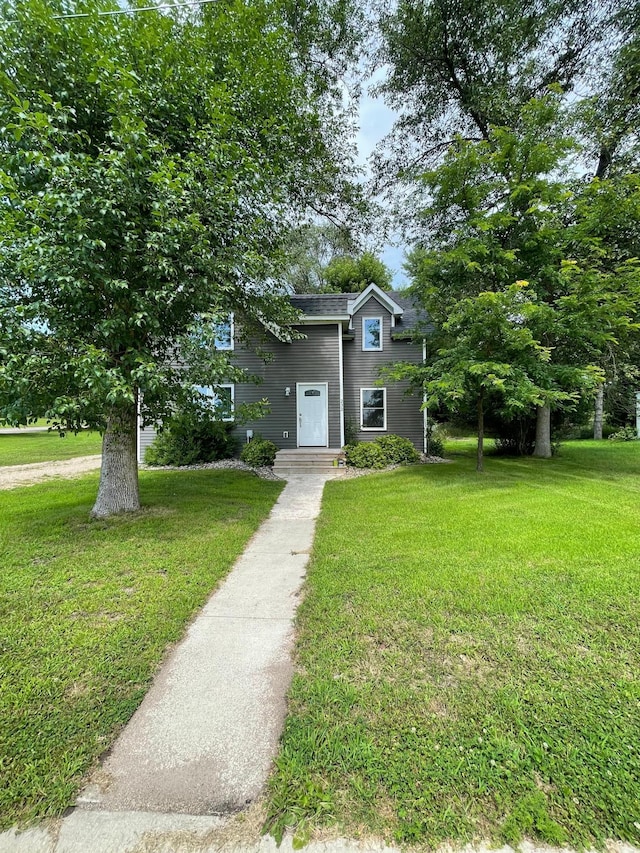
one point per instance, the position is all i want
(220, 399)
(373, 408)
(224, 334)
(372, 333)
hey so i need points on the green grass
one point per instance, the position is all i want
(21, 449)
(87, 609)
(468, 662)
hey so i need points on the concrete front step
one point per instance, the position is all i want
(308, 459)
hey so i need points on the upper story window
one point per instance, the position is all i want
(220, 399)
(224, 334)
(371, 334)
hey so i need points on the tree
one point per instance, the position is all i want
(457, 67)
(501, 212)
(150, 166)
(461, 73)
(349, 274)
(308, 251)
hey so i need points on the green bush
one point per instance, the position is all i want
(365, 454)
(436, 437)
(190, 438)
(384, 450)
(259, 452)
(397, 450)
(627, 433)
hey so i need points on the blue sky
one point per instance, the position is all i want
(376, 120)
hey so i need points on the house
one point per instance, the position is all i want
(327, 382)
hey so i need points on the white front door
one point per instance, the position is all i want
(313, 415)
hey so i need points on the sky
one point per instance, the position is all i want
(376, 120)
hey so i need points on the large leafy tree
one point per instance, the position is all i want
(150, 165)
(480, 145)
(502, 210)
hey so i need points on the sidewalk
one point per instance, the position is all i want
(201, 745)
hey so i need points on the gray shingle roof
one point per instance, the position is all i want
(335, 305)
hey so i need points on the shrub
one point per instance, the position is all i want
(436, 436)
(384, 450)
(190, 438)
(350, 431)
(365, 454)
(627, 433)
(259, 452)
(397, 450)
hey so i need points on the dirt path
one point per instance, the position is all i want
(27, 475)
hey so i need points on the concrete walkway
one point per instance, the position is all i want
(201, 745)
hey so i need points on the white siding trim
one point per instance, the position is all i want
(425, 421)
(138, 426)
(341, 379)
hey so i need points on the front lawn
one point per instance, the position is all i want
(26, 447)
(87, 609)
(469, 655)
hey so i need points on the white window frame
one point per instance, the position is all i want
(203, 389)
(384, 403)
(365, 320)
(229, 321)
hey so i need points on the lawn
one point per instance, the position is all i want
(88, 608)
(468, 659)
(23, 448)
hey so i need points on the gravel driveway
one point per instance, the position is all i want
(27, 475)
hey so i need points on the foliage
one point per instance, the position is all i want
(397, 450)
(467, 670)
(383, 451)
(350, 431)
(627, 433)
(259, 452)
(308, 251)
(436, 437)
(89, 610)
(365, 454)
(151, 166)
(191, 437)
(458, 67)
(348, 274)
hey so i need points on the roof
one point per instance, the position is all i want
(340, 306)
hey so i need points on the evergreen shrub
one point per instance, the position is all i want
(259, 452)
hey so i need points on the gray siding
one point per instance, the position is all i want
(361, 371)
(146, 437)
(313, 359)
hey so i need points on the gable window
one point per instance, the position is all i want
(224, 334)
(371, 333)
(373, 408)
(220, 399)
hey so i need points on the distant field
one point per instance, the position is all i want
(23, 448)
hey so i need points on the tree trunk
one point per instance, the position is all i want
(542, 447)
(597, 417)
(118, 489)
(479, 466)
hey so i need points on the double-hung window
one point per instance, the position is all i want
(224, 334)
(373, 408)
(371, 334)
(220, 399)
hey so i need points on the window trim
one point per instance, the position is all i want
(384, 410)
(229, 320)
(364, 336)
(213, 397)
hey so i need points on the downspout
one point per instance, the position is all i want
(341, 371)
(138, 426)
(425, 415)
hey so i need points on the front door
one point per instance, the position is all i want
(313, 417)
